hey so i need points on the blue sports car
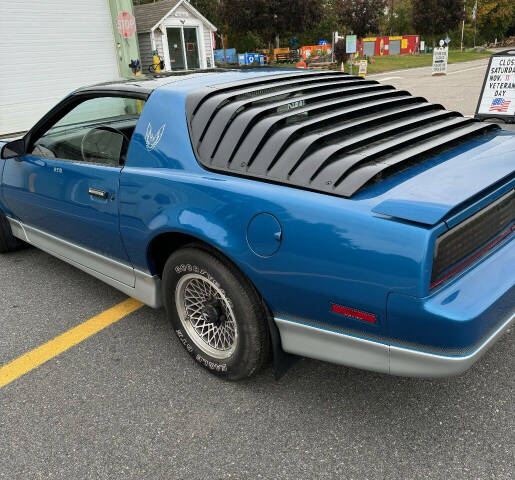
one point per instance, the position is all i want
(274, 213)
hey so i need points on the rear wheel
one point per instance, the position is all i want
(216, 313)
(8, 242)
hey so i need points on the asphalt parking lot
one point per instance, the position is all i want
(128, 402)
(458, 90)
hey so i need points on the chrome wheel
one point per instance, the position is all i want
(207, 316)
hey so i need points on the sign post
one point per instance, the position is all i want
(350, 48)
(497, 98)
(440, 55)
(125, 37)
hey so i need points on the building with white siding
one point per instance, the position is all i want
(48, 49)
(179, 33)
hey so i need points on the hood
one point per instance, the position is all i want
(433, 190)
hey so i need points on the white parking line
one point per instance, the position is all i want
(466, 69)
(386, 79)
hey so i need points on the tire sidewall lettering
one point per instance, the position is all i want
(189, 268)
(215, 366)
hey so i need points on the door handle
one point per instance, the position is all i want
(97, 193)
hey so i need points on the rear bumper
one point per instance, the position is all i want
(336, 347)
(410, 362)
(436, 336)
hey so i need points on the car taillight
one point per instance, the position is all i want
(351, 312)
(471, 239)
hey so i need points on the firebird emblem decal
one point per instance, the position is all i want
(152, 140)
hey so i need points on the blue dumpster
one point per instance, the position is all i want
(251, 59)
(230, 55)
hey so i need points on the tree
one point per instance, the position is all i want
(340, 52)
(323, 29)
(269, 19)
(433, 17)
(399, 18)
(360, 16)
(495, 17)
(211, 9)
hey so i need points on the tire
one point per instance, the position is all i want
(8, 242)
(216, 313)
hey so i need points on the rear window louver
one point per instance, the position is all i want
(324, 131)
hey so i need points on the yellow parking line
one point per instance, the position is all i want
(66, 340)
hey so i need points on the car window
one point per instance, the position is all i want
(97, 131)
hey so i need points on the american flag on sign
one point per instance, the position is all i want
(499, 105)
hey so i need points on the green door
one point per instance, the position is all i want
(192, 47)
(175, 48)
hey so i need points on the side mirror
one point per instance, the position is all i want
(13, 149)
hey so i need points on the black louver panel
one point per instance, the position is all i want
(324, 131)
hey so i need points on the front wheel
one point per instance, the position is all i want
(8, 242)
(216, 313)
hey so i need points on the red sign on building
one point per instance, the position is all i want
(126, 24)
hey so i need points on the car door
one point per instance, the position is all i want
(66, 186)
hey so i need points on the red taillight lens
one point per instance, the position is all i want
(474, 257)
(473, 238)
(350, 312)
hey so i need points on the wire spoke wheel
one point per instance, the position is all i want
(207, 316)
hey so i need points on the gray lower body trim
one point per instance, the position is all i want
(306, 340)
(131, 281)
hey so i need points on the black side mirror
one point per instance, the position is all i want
(13, 149)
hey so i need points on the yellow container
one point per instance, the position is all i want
(157, 63)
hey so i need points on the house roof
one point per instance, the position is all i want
(151, 14)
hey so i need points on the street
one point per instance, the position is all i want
(128, 402)
(458, 90)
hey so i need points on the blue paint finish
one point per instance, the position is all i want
(479, 204)
(463, 313)
(372, 252)
(334, 250)
(449, 180)
(264, 234)
(52, 195)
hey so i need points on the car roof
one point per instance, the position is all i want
(146, 84)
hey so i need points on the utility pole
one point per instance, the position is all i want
(463, 25)
(474, 14)
(391, 17)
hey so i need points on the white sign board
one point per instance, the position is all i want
(498, 95)
(362, 68)
(440, 55)
(350, 43)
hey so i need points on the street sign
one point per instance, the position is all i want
(126, 24)
(350, 43)
(440, 55)
(497, 98)
(362, 72)
(447, 40)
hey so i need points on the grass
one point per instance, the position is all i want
(400, 62)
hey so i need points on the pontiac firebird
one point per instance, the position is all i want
(272, 213)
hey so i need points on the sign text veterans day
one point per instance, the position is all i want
(497, 99)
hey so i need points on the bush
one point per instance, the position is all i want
(339, 51)
(244, 42)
